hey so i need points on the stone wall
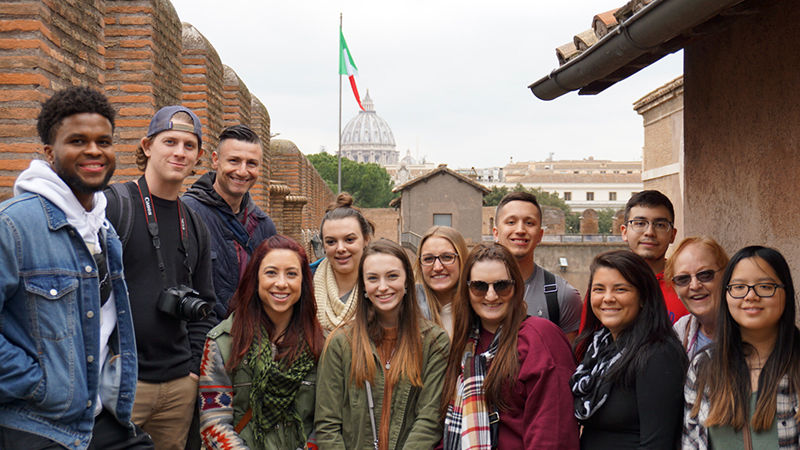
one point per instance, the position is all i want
(742, 133)
(579, 257)
(144, 58)
(386, 221)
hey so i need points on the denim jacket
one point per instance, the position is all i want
(50, 326)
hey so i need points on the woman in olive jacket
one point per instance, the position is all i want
(260, 364)
(380, 376)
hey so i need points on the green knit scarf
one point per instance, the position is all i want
(273, 389)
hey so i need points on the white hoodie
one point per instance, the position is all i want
(40, 179)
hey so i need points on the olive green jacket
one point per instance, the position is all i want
(219, 416)
(342, 418)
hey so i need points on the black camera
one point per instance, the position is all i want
(183, 303)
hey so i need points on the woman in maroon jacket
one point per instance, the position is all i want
(505, 389)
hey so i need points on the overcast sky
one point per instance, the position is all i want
(450, 77)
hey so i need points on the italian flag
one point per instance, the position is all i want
(348, 67)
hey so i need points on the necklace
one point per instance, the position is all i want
(389, 361)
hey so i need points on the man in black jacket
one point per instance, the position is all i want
(166, 255)
(221, 197)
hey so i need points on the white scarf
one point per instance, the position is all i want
(331, 312)
(40, 179)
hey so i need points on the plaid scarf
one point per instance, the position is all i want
(273, 390)
(588, 383)
(466, 425)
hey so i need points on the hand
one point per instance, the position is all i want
(194, 376)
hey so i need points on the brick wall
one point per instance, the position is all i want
(140, 53)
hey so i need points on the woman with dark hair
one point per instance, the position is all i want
(506, 380)
(380, 376)
(259, 365)
(345, 232)
(441, 255)
(627, 386)
(742, 392)
(695, 271)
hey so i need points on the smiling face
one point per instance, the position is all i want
(343, 244)
(650, 244)
(700, 298)
(519, 228)
(280, 283)
(238, 166)
(440, 278)
(172, 155)
(615, 302)
(490, 308)
(756, 314)
(82, 154)
(384, 285)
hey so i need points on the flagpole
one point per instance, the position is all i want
(339, 158)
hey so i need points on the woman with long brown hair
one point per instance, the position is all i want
(627, 385)
(441, 255)
(742, 392)
(380, 376)
(506, 384)
(345, 232)
(259, 367)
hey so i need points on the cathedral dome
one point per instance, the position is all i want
(368, 138)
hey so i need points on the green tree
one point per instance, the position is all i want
(605, 219)
(543, 197)
(368, 183)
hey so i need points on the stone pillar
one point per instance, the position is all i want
(589, 222)
(619, 219)
(553, 219)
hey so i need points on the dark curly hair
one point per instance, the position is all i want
(68, 102)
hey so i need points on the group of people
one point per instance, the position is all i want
(134, 317)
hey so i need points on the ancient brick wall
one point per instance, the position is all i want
(144, 58)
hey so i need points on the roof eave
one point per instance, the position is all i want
(650, 34)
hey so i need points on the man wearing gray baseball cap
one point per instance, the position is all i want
(167, 261)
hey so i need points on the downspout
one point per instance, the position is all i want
(653, 25)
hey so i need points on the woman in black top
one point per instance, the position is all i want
(628, 385)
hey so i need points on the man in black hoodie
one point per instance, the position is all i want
(222, 199)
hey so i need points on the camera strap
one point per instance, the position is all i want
(152, 227)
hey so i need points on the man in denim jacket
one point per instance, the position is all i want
(67, 349)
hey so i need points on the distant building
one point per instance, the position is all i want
(484, 175)
(440, 197)
(367, 138)
(408, 168)
(587, 183)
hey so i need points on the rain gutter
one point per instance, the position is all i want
(639, 38)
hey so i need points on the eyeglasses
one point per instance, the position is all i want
(761, 289)
(481, 288)
(641, 225)
(704, 276)
(445, 258)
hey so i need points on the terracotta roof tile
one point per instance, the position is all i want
(566, 52)
(604, 22)
(585, 39)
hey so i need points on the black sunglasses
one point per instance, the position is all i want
(480, 288)
(704, 276)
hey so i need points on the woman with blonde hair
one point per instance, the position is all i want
(380, 375)
(695, 271)
(345, 232)
(440, 256)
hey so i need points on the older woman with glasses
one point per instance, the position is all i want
(506, 379)
(742, 392)
(695, 270)
(438, 269)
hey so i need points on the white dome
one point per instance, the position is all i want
(368, 138)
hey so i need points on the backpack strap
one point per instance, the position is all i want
(120, 209)
(551, 295)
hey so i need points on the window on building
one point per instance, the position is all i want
(612, 196)
(590, 196)
(567, 196)
(443, 219)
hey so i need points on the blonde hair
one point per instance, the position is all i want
(720, 257)
(457, 241)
